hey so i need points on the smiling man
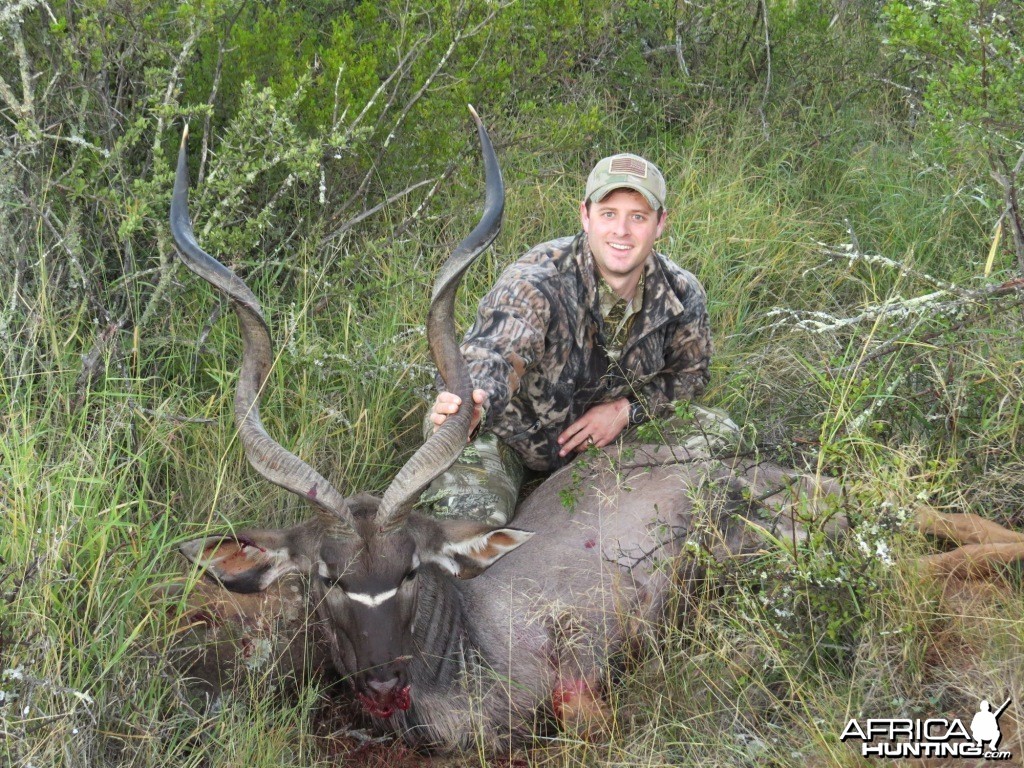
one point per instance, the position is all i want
(581, 339)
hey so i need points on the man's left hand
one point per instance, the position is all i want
(599, 426)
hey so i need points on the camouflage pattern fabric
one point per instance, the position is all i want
(538, 347)
(700, 430)
(483, 484)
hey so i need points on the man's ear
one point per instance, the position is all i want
(247, 561)
(465, 548)
(662, 219)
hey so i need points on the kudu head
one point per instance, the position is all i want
(364, 559)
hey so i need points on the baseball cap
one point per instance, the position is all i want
(629, 171)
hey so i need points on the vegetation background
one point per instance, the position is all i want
(845, 179)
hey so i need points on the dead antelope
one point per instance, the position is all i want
(446, 637)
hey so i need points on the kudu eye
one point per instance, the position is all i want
(410, 575)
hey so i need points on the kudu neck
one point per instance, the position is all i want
(442, 634)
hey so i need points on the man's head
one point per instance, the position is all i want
(623, 214)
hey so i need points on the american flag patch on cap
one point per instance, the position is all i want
(634, 166)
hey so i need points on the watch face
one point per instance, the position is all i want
(636, 413)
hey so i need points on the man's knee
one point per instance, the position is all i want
(483, 484)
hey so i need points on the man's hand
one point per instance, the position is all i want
(599, 426)
(446, 404)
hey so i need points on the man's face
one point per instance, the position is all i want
(622, 229)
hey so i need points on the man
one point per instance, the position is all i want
(579, 340)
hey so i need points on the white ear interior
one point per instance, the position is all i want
(486, 548)
(237, 561)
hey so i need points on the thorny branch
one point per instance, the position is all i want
(768, 75)
(415, 215)
(218, 72)
(339, 231)
(948, 301)
(1008, 181)
(462, 34)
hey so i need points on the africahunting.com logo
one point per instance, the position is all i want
(934, 737)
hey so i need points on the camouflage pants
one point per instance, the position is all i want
(483, 484)
(700, 430)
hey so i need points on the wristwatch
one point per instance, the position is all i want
(637, 413)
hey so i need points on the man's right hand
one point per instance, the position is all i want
(447, 403)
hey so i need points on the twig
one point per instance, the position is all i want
(462, 34)
(172, 84)
(61, 231)
(27, 78)
(92, 362)
(208, 326)
(339, 231)
(400, 67)
(1010, 287)
(405, 112)
(679, 54)
(165, 262)
(414, 216)
(851, 252)
(1012, 212)
(790, 482)
(211, 101)
(768, 61)
(169, 416)
(360, 735)
(361, 189)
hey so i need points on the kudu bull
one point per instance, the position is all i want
(445, 639)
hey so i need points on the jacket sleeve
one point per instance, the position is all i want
(687, 354)
(506, 339)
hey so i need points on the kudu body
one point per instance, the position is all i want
(445, 641)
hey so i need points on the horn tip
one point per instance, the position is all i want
(473, 112)
(184, 135)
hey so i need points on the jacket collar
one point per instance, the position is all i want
(661, 302)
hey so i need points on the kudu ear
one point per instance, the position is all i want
(466, 548)
(245, 562)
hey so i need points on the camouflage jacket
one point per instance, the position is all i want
(537, 346)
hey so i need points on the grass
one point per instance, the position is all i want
(97, 485)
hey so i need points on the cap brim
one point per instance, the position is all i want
(601, 193)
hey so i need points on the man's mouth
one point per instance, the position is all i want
(620, 247)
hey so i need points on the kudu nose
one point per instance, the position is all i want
(384, 687)
(385, 690)
(386, 678)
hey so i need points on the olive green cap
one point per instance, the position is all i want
(629, 171)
